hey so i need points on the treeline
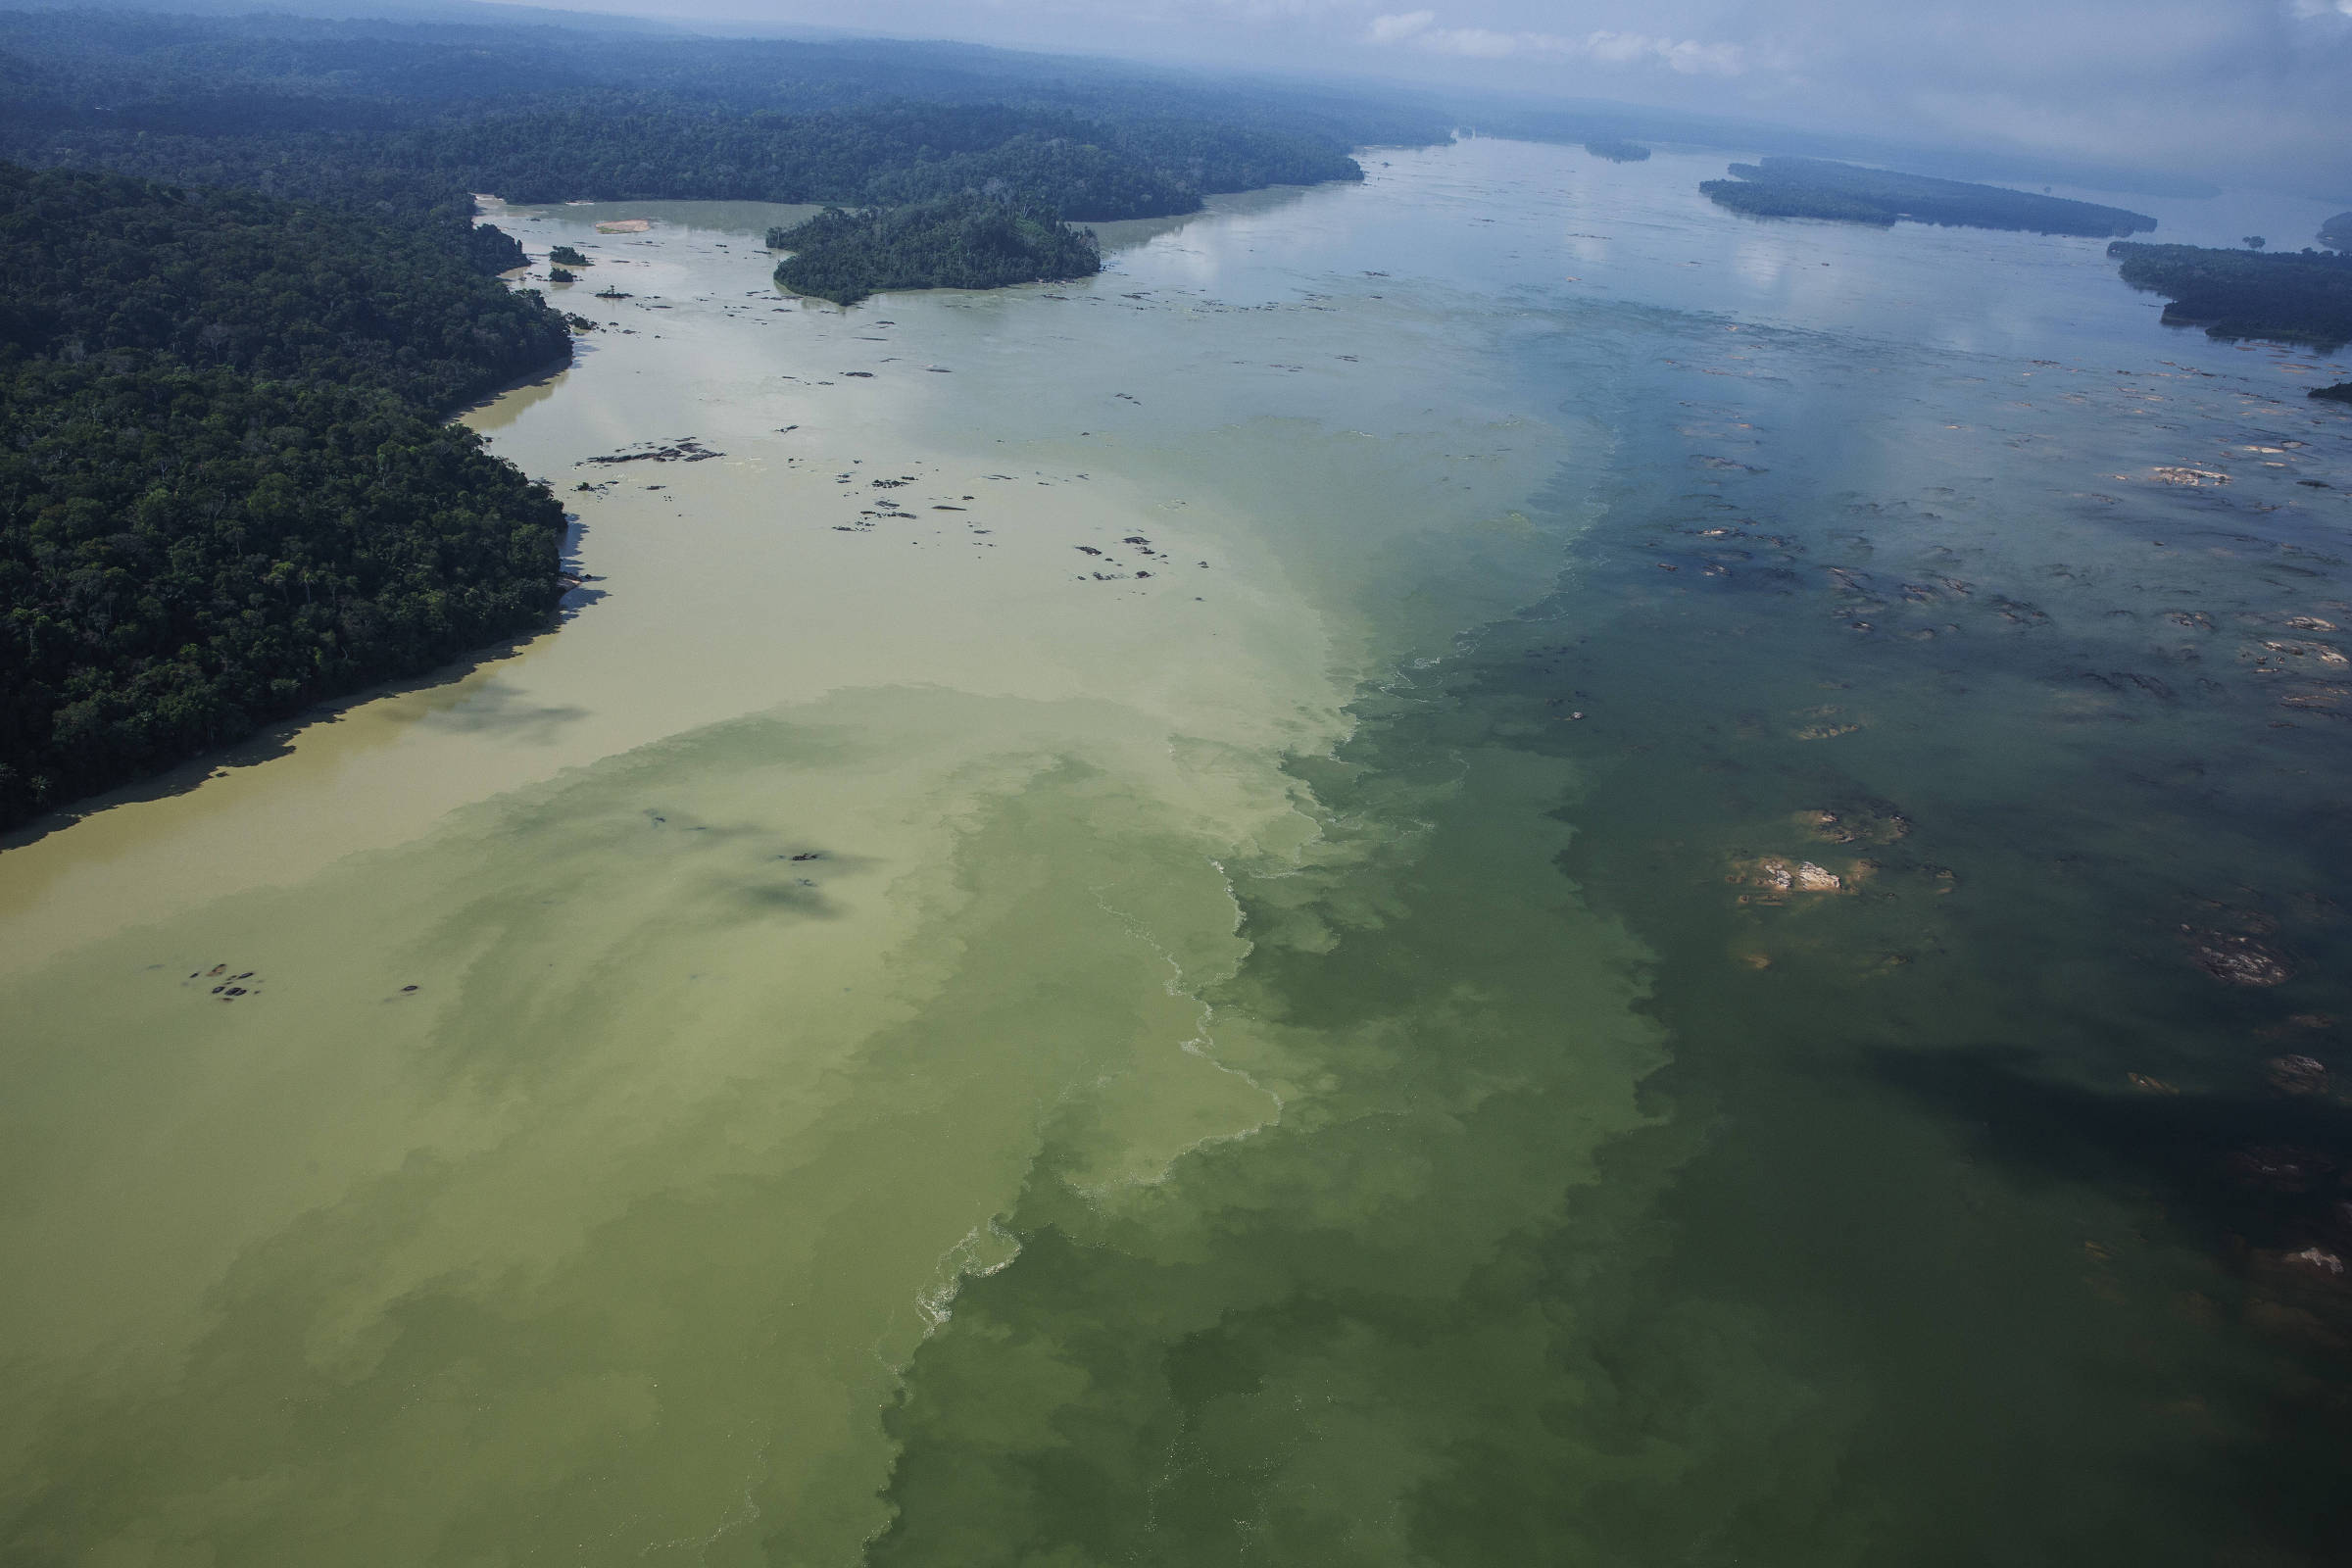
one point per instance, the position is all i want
(635, 148)
(226, 489)
(2284, 296)
(1814, 187)
(954, 242)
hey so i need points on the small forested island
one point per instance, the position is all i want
(1816, 187)
(2284, 296)
(2336, 232)
(967, 241)
(2341, 392)
(1616, 151)
(228, 489)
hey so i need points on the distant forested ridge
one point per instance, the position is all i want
(2336, 232)
(611, 148)
(954, 242)
(1617, 151)
(1814, 187)
(412, 119)
(2286, 296)
(227, 486)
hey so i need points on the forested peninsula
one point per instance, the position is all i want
(2283, 296)
(1816, 187)
(228, 486)
(956, 242)
(2336, 232)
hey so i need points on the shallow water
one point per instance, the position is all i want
(930, 1043)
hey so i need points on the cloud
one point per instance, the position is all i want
(1419, 29)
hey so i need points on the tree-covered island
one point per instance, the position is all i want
(2284, 296)
(2336, 232)
(967, 241)
(228, 489)
(1816, 187)
(1617, 150)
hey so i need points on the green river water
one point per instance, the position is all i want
(1188, 919)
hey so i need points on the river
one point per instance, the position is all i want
(1481, 868)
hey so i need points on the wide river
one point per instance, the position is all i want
(1486, 869)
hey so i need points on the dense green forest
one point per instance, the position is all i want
(415, 118)
(1617, 150)
(2336, 232)
(1814, 187)
(954, 242)
(2286, 296)
(226, 489)
(95, 262)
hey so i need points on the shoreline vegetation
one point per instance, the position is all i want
(2302, 297)
(228, 487)
(1815, 187)
(2336, 232)
(967, 241)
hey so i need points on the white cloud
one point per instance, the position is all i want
(1395, 29)
(1418, 29)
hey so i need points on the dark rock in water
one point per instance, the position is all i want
(405, 989)
(2239, 960)
(2297, 1075)
(2341, 392)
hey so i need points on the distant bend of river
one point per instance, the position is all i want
(1486, 868)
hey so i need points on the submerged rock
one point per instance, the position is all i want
(2281, 1168)
(1873, 822)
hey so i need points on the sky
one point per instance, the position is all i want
(2201, 87)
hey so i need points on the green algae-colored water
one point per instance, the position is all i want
(1186, 920)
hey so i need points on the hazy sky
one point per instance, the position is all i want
(2189, 83)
